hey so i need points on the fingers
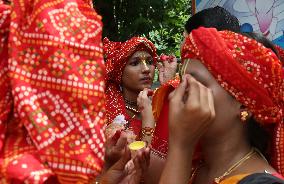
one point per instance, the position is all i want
(145, 93)
(193, 99)
(136, 161)
(159, 66)
(143, 99)
(177, 95)
(166, 63)
(120, 164)
(116, 136)
(174, 59)
(147, 153)
(204, 103)
(191, 111)
(142, 159)
(211, 104)
(122, 142)
(201, 98)
(110, 143)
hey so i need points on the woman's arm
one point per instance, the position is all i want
(189, 118)
(148, 122)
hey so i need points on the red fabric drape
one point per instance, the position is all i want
(54, 77)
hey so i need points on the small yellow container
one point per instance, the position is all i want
(135, 146)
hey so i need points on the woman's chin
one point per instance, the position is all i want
(141, 87)
(146, 86)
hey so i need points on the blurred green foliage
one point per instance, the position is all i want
(162, 21)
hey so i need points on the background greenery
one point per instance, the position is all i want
(162, 21)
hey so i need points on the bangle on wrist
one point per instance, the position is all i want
(147, 131)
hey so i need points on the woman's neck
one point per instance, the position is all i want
(221, 152)
(130, 99)
(129, 95)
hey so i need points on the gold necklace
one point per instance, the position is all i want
(236, 165)
(129, 102)
(132, 109)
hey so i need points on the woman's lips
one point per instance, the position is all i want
(146, 79)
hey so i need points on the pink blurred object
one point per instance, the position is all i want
(164, 58)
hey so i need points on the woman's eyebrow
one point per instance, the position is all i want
(138, 57)
(134, 58)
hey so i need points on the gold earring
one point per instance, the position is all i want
(244, 116)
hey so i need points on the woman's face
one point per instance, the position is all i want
(138, 72)
(226, 107)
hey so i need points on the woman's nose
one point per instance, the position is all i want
(144, 66)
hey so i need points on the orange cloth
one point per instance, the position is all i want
(160, 108)
(234, 179)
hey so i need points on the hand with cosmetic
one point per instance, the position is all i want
(118, 125)
(117, 157)
(191, 112)
(167, 68)
(144, 104)
(115, 148)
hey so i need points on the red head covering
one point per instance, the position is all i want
(249, 72)
(117, 55)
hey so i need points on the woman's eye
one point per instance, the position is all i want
(134, 63)
(149, 62)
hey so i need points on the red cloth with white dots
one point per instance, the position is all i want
(52, 92)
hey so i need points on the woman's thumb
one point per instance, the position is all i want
(120, 164)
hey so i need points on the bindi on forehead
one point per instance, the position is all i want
(141, 56)
(141, 52)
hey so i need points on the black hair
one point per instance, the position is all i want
(261, 178)
(216, 17)
(7, 2)
(261, 39)
(258, 136)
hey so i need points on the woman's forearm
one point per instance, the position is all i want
(178, 166)
(148, 126)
